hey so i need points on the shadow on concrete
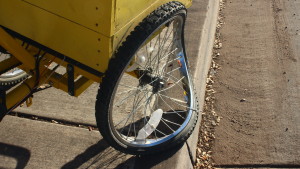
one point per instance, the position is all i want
(22, 155)
(91, 152)
(128, 164)
(101, 155)
(150, 161)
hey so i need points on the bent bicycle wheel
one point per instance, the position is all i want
(146, 102)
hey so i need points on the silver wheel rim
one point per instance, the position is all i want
(145, 114)
(12, 72)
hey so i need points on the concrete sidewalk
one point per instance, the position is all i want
(41, 144)
(258, 87)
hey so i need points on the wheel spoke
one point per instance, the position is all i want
(171, 107)
(168, 121)
(165, 65)
(172, 85)
(177, 100)
(177, 81)
(188, 108)
(127, 91)
(159, 55)
(171, 52)
(176, 103)
(128, 86)
(175, 112)
(123, 100)
(129, 115)
(160, 132)
(168, 126)
(160, 46)
(156, 57)
(173, 70)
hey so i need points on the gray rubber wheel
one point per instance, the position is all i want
(157, 109)
(12, 76)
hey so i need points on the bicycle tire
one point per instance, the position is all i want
(161, 126)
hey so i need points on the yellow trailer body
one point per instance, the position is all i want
(87, 31)
(70, 44)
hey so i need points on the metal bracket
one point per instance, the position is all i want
(71, 86)
(2, 50)
(3, 108)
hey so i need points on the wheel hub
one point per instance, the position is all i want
(155, 81)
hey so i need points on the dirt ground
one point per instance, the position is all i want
(256, 92)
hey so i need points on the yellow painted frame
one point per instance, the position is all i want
(15, 96)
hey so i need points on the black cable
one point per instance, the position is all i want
(37, 72)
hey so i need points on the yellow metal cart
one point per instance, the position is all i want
(133, 48)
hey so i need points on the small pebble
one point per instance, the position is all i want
(242, 100)
(53, 121)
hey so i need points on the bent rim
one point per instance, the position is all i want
(156, 114)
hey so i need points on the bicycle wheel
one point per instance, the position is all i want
(12, 76)
(146, 102)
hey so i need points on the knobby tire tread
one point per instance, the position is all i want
(115, 68)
